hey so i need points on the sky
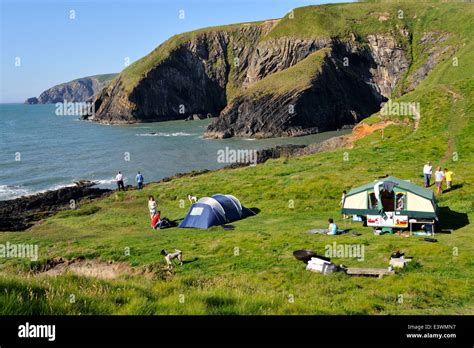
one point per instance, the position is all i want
(47, 42)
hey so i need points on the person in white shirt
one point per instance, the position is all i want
(341, 203)
(152, 206)
(119, 180)
(427, 171)
(439, 177)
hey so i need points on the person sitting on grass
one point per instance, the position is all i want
(156, 221)
(332, 229)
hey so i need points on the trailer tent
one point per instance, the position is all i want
(394, 197)
(216, 210)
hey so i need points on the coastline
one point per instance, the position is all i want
(21, 213)
(167, 139)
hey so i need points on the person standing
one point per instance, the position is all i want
(449, 178)
(427, 171)
(341, 203)
(139, 179)
(119, 180)
(152, 207)
(439, 176)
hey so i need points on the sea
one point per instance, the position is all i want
(42, 151)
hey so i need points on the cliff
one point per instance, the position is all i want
(192, 73)
(321, 92)
(319, 68)
(78, 90)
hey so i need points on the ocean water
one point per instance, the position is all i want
(40, 151)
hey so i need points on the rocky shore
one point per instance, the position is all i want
(21, 213)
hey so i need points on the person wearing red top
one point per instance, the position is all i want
(156, 221)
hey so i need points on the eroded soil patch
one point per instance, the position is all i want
(97, 269)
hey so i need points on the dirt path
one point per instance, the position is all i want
(449, 151)
(454, 94)
(362, 130)
(454, 123)
(417, 116)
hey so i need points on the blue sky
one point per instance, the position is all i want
(54, 48)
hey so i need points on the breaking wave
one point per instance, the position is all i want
(8, 192)
(164, 134)
(105, 181)
(11, 192)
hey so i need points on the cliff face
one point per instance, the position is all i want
(278, 54)
(261, 83)
(354, 79)
(194, 78)
(78, 90)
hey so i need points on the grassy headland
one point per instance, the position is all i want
(260, 279)
(250, 269)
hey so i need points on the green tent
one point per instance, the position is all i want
(406, 199)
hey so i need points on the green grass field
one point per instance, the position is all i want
(264, 278)
(250, 269)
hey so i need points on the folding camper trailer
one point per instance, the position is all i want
(392, 203)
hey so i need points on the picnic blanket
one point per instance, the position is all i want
(325, 231)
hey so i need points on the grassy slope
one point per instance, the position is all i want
(296, 77)
(264, 274)
(326, 21)
(104, 77)
(338, 20)
(364, 18)
(100, 78)
(132, 74)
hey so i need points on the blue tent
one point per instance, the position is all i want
(213, 211)
(231, 205)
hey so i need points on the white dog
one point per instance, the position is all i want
(178, 254)
(192, 199)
